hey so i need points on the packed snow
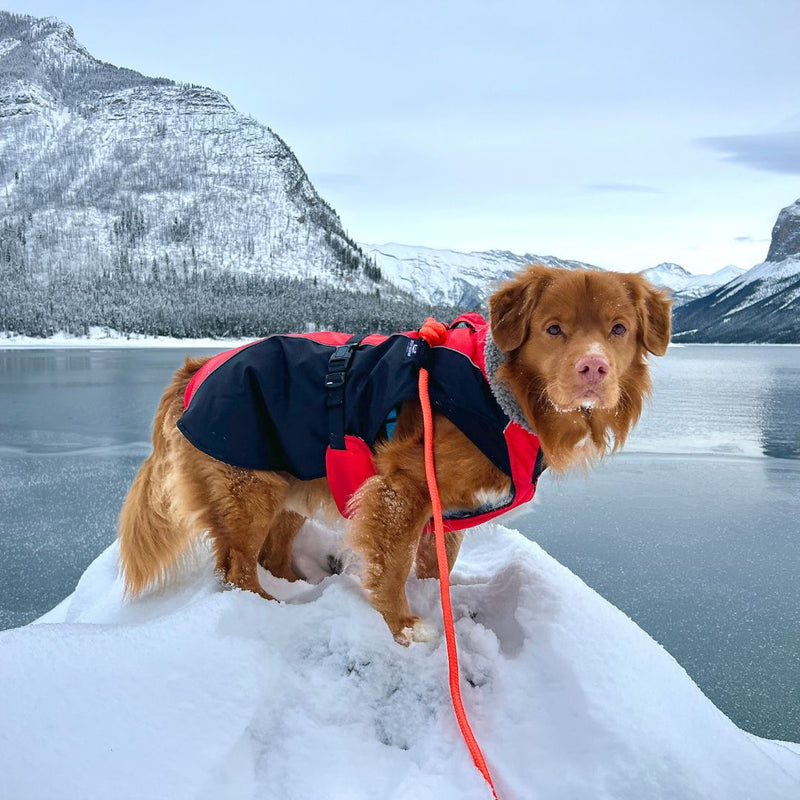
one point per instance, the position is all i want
(203, 693)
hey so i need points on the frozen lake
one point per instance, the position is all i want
(694, 531)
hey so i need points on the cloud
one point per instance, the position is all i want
(335, 179)
(623, 187)
(769, 152)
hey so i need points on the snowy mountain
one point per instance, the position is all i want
(108, 167)
(684, 285)
(451, 277)
(199, 693)
(465, 280)
(106, 172)
(761, 305)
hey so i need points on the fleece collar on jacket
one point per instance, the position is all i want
(494, 358)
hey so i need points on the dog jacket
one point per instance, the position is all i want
(313, 405)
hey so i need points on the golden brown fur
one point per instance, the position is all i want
(574, 346)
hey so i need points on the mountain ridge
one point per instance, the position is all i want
(453, 277)
(465, 279)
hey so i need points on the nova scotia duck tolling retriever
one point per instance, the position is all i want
(250, 443)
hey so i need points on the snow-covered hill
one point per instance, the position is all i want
(199, 693)
(106, 170)
(452, 277)
(761, 305)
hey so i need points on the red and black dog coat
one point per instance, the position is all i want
(313, 405)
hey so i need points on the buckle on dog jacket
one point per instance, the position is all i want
(335, 380)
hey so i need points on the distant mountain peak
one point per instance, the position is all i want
(672, 268)
(786, 234)
(728, 272)
(43, 66)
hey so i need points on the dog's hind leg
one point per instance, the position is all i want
(276, 552)
(241, 519)
(388, 522)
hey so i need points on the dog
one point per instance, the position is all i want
(564, 363)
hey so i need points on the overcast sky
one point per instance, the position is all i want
(622, 133)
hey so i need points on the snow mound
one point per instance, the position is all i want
(199, 693)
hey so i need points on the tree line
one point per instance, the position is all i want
(197, 304)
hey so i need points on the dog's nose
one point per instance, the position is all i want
(592, 369)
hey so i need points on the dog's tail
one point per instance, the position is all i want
(155, 530)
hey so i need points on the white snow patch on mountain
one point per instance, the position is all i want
(199, 693)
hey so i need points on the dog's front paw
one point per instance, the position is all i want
(414, 630)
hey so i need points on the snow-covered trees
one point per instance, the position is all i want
(179, 301)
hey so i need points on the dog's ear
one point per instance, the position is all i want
(654, 308)
(511, 305)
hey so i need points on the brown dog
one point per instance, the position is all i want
(571, 351)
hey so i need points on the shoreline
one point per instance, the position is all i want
(106, 338)
(114, 339)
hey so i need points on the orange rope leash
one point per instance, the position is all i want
(433, 333)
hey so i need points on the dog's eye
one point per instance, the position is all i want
(619, 330)
(555, 330)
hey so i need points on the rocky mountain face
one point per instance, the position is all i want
(761, 305)
(109, 175)
(786, 234)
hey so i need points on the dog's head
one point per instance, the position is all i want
(575, 345)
